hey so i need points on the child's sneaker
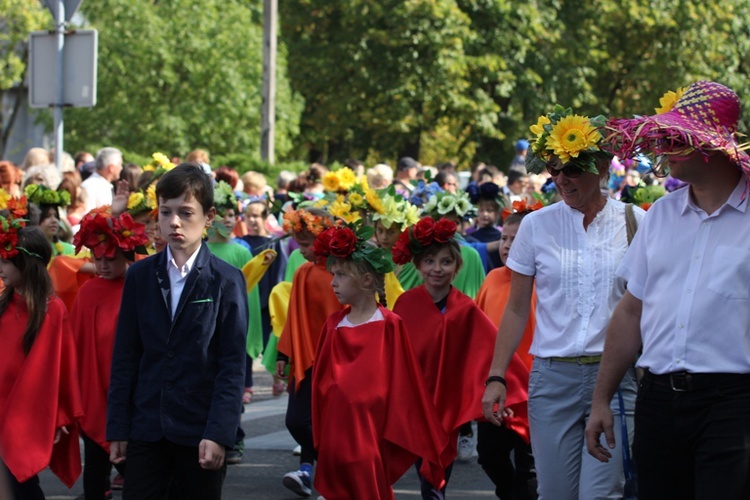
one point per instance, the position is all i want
(299, 482)
(465, 449)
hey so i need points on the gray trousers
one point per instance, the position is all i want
(559, 407)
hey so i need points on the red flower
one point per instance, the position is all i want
(444, 230)
(8, 242)
(322, 243)
(401, 252)
(129, 233)
(343, 242)
(423, 230)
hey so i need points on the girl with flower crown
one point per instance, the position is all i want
(446, 329)
(113, 241)
(372, 414)
(37, 357)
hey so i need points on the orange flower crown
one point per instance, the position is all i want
(521, 207)
(10, 225)
(297, 220)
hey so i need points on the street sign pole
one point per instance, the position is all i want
(58, 111)
(268, 111)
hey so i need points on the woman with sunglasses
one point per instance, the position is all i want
(570, 251)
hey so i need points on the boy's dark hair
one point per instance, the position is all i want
(515, 218)
(430, 250)
(190, 179)
(514, 175)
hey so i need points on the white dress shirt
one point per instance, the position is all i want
(98, 191)
(574, 270)
(692, 272)
(178, 277)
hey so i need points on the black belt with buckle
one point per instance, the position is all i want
(686, 381)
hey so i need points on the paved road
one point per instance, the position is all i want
(268, 457)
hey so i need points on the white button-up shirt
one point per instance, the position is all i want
(574, 270)
(178, 277)
(99, 191)
(692, 272)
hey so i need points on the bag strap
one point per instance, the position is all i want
(627, 462)
(631, 224)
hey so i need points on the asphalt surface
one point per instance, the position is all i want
(268, 456)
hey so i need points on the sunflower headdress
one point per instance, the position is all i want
(12, 213)
(574, 139)
(352, 241)
(349, 198)
(159, 165)
(39, 194)
(142, 201)
(103, 234)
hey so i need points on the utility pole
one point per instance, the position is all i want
(268, 113)
(58, 111)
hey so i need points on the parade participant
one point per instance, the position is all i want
(570, 250)
(50, 202)
(113, 241)
(372, 414)
(446, 328)
(512, 473)
(488, 200)
(37, 357)
(179, 358)
(311, 302)
(686, 305)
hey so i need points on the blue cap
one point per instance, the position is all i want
(522, 144)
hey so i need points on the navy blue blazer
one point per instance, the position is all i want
(179, 379)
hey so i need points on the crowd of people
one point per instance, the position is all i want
(581, 310)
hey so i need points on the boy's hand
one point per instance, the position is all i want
(118, 451)
(281, 369)
(210, 455)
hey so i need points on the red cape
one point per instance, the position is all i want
(492, 298)
(372, 414)
(39, 394)
(94, 322)
(312, 301)
(455, 350)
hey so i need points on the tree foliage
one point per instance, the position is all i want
(175, 75)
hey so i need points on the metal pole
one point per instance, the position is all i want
(58, 111)
(268, 112)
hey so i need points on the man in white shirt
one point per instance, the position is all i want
(688, 305)
(98, 186)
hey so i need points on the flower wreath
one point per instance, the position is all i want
(397, 211)
(424, 233)
(39, 194)
(297, 220)
(140, 202)
(351, 242)
(159, 165)
(572, 138)
(519, 207)
(444, 203)
(10, 224)
(103, 234)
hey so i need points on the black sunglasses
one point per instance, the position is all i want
(570, 171)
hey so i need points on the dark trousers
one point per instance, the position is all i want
(693, 443)
(299, 416)
(96, 470)
(153, 466)
(430, 492)
(513, 479)
(28, 490)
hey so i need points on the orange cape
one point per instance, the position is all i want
(455, 350)
(311, 302)
(372, 414)
(67, 278)
(94, 322)
(492, 298)
(38, 395)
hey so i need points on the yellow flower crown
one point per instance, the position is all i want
(572, 138)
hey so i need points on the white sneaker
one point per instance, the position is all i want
(465, 449)
(299, 482)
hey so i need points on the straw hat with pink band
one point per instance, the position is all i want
(701, 118)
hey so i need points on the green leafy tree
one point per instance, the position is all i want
(18, 18)
(176, 75)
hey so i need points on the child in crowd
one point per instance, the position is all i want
(312, 301)
(178, 364)
(446, 328)
(372, 415)
(505, 452)
(113, 241)
(37, 357)
(488, 201)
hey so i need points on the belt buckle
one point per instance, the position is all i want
(680, 381)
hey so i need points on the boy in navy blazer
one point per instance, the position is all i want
(178, 366)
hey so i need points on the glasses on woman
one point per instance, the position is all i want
(570, 171)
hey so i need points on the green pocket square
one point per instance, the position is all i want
(201, 301)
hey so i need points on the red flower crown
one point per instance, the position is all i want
(10, 225)
(103, 234)
(343, 242)
(424, 233)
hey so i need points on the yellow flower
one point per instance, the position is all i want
(338, 208)
(134, 200)
(411, 215)
(668, 101)
(538, 129)
(4, 199)
(320, 203)
(331, 181)
(350, 217)
(151, 196)
(356, 199)
(347, 178)
(570, 136)
(374, 201)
